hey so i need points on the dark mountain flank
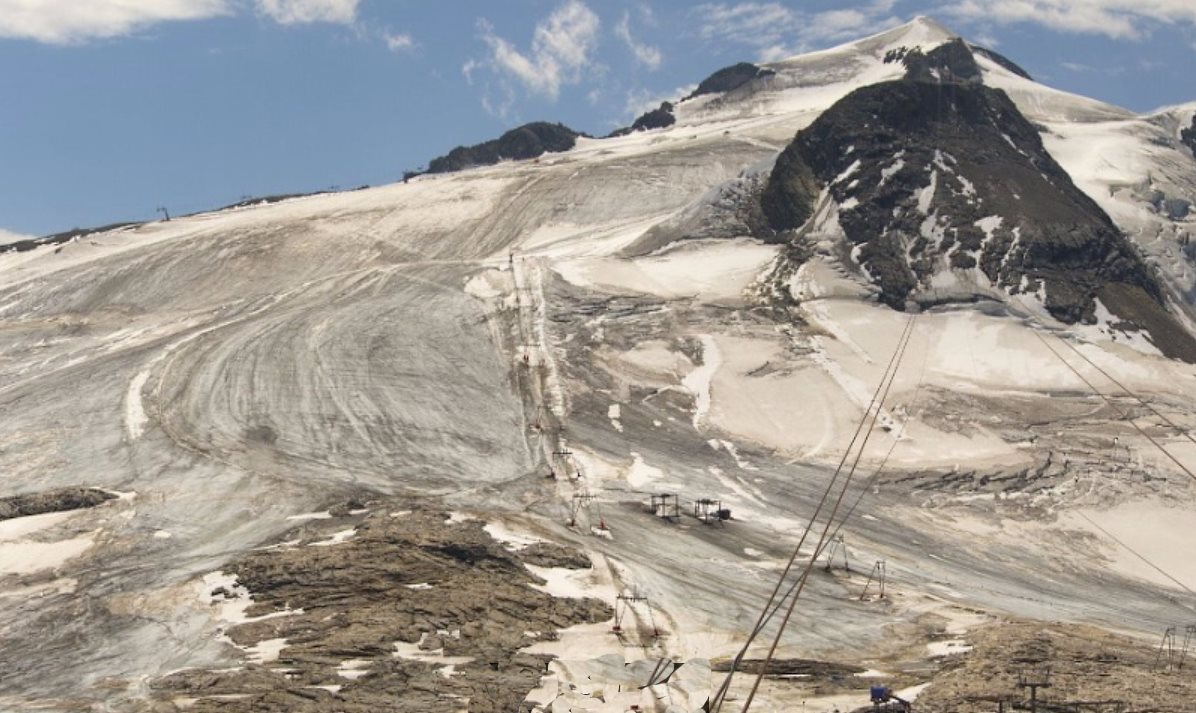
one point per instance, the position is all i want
(1188, 135)
(945, 192)
(728, 78)
(658, 118)
(523, 142)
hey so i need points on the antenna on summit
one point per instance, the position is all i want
(162, 209)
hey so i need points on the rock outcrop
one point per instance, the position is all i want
(1188, 136)
(945, 191)
(523, 142)
(400, 610)
(52, 501)
(658, 118)
(728, 78)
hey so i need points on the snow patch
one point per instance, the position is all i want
(926, 195)
(336, 538)
(614, 412)
(698, 380)
(855, 166)
(641, 474)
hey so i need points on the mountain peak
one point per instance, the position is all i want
(920, 30)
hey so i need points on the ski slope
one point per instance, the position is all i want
(234, 370)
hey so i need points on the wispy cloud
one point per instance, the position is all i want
(644, 54)
(397, 41)
(986, 39)
(1077, 67)
(7, 236)
(301, 12)
(775, 31)
(639, 101)
(73, 21)
(562, 48)
(76, 21)
(1118, 19)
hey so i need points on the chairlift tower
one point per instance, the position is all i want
(1034, 680)
(879, 576)
(564, 456)
(1189, 637)
(665, 505)
(587, 502)
(834, 547)
(711, 511)
(625, 605)
(1165, 658)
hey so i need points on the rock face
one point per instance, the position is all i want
(52, 501)
(524, 142)
(658, 118)
(944, 189)
(728, 78)
(400, 610)
(1188, 136)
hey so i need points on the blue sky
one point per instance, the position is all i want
(115, 107)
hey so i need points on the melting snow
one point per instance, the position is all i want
(891, 170)
(698, 380)
(847, 172)
(641, 474)
(926, 195)
(336, 538)
(614, 413)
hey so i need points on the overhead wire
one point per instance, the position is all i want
(718, 698)
(1182, 431)
(1138, 554)
(1124, 414)
(804, 577)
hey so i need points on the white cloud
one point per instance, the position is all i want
(1118, 19)
(397, 42)
(640, 101)
(1077, 67)
(562, 47)
(776, 31)
(7, 236)
(70, 21)
(645, 54)
(299, 12)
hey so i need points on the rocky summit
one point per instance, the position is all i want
(523, 142)
(944, 191)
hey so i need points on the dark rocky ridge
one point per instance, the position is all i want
(523, 142)
(918, 164)
(52, 501)
(658, 118)
(20, 246)
(1188, 136)
(728, 78)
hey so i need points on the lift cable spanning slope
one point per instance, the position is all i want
(1124, 414)
(892, 377)
(765, 614)
(1179, 429)
(1139, 555)
(868, 484)
(866, 425)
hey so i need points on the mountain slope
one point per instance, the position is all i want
(357, 440)
(941, 183)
